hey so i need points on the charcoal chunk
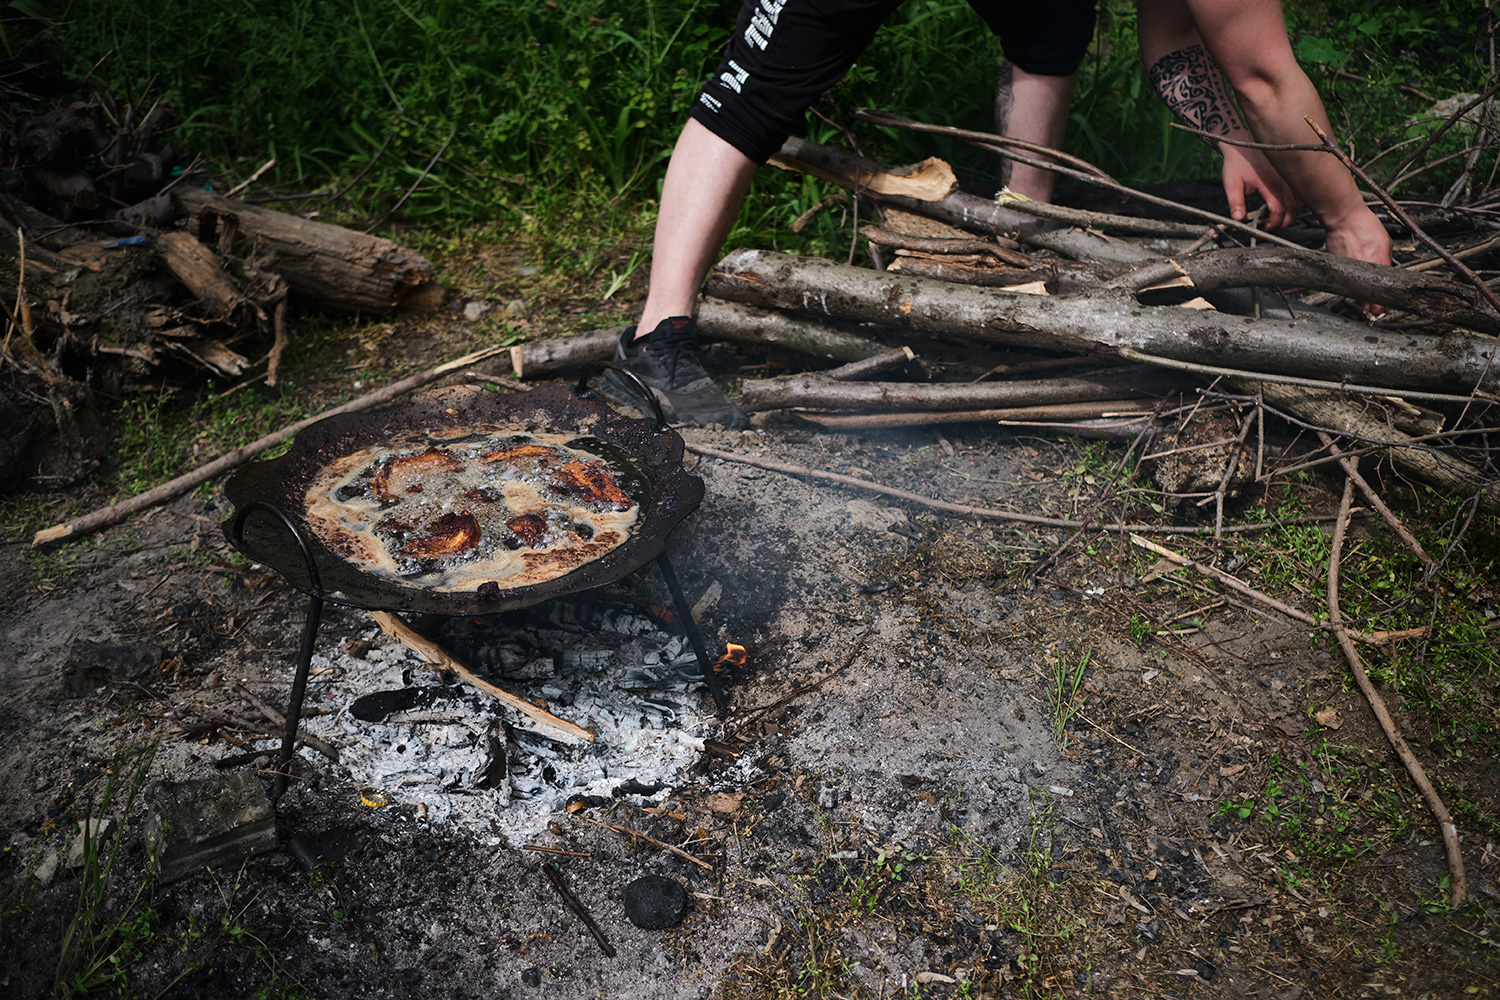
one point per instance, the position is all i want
(655, 902)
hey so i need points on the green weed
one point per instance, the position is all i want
(1067, 681)
(101, 941)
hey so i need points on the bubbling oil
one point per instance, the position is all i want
(401, 512)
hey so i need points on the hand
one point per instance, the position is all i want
(1360, 237)
(1246, 172)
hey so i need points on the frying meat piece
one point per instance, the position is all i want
(521, 453)
(532, 529)
(590, 484)
(450, 535)
(405, 474)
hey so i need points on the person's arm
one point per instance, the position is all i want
(1195, 91)
(1248, 41)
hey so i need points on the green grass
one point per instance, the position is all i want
(536, 109)
(106, 935)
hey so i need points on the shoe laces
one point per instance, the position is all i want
(677, 353)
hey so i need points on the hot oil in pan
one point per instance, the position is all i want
(499, 509)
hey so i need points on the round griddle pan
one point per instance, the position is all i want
(650, 450)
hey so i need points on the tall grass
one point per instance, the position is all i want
(538, 105)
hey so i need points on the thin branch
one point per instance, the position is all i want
(1351, 470)
(997, 144)
(1400, 215)
(1459, 890)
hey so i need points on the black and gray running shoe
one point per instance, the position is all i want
(666, 359)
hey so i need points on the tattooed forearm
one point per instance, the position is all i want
(1005, 100)
(1191, 84)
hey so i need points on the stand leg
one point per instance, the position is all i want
(299, 691)
(694, 634)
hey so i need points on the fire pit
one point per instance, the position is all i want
(273, 521)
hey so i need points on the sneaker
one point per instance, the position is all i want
(666, 359)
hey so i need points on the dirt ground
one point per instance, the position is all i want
(908, 798)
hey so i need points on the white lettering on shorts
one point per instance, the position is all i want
(763, 23)
(735, 78)
(711, 103)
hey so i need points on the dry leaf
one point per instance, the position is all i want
(724, 802)
(1329, 718)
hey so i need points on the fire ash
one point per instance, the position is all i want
(467, 760)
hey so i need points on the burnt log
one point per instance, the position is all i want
(1303, 347)
(339, 270)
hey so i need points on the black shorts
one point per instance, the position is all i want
(785, 54)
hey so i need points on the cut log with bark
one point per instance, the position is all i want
(964, 210)
(1429, 295)
(1375, 357)
(337, 269)
(736, 321)
(819, 392)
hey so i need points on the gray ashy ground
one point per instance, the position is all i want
(861, 836)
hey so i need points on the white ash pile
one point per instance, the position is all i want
(462, 757)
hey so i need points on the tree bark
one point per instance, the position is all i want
(338, 269)
(746, 324)
(963, 210)
(1331, 411)
(825, 393)
(1084, 324)
(1431, 296)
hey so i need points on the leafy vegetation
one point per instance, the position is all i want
(522, 110)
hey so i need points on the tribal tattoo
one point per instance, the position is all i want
(1194, 88)
(1005, 100)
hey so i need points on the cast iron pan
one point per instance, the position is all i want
(651, 450)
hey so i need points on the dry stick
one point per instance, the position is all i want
(549, 725)
(115, 513)
(1234, 583)
(962, 510)
(1351, 470)
(1382, 714)
(997, 144)
(925, 418)
(1306, 383)
(1229, 467)
(576, 905)
(277, 719)
(1438, 132)
(627, 832)
(755, 713)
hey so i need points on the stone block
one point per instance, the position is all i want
(213, 822)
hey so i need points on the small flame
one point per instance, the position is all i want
(734, 656)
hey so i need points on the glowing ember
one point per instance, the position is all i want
(734, 656)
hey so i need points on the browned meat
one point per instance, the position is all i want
(531, 529)
(590, 484)
(449, 535)
(405, 474)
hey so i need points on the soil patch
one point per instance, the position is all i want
(940, 778)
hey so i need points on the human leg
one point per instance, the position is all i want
(1033, 107)
(705, 186)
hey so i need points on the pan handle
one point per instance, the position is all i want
(583, 388)
(237, 536)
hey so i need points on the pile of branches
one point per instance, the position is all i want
(129, 271)
(1170, 323)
